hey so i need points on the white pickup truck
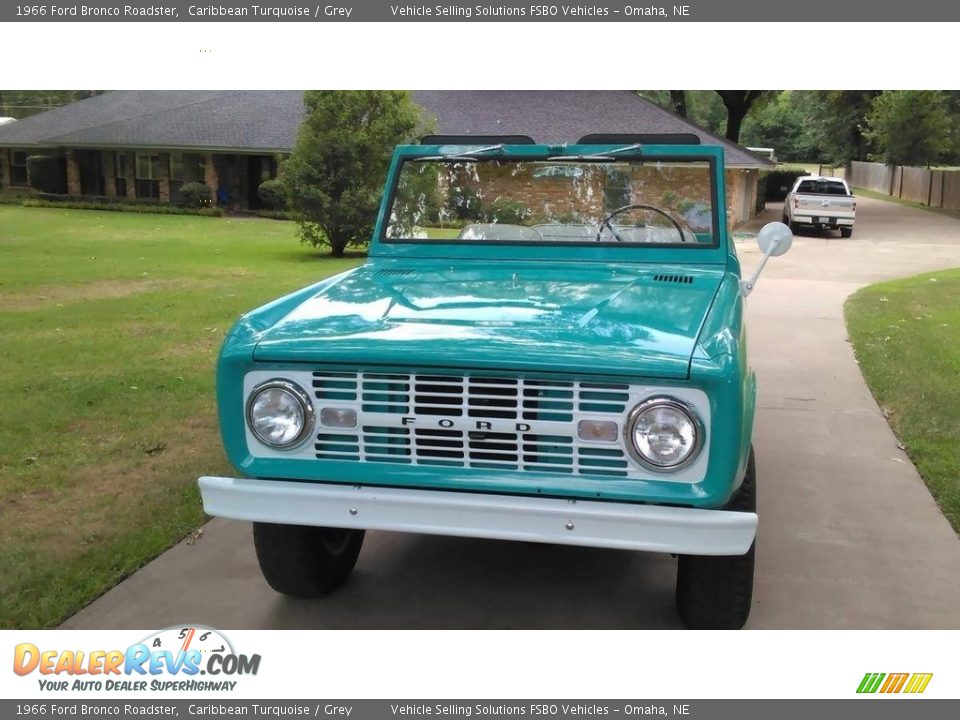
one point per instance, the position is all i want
(826, 203)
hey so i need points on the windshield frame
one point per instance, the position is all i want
(596, 159)
(719, 252)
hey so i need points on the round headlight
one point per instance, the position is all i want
(280, 414)
(664, 434)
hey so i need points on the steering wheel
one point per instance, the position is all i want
(606, 221)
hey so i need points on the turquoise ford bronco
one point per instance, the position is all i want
(545, 344)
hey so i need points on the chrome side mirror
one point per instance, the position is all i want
(774, 240)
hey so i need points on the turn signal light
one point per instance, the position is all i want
(598, 430)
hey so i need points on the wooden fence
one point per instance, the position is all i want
(935, 188)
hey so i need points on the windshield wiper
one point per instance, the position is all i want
(560, 158)
(608, 155)
(625, 148)
(468, 155)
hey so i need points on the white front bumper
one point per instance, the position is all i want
(656, 528)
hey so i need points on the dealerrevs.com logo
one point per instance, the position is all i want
(180, 659)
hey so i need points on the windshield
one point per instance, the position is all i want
(822, 187)
(561, 200)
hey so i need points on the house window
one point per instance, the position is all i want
(120, 173)
(148, 176)
(186, 167)
(18, 168)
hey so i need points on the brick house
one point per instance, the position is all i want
(147, 143)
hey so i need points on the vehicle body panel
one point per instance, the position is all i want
(618, 319)
(590, 311)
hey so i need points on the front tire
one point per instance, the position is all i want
(305, 562)
(714, 593)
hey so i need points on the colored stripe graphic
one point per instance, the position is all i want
(870, 682)
(894, 683)
(918, 682)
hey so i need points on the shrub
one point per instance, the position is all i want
(669, 199)
(343, 148)
(277, 214)
(507, 211)
(131, 207)
(47, 174)
(695, 213)
(97, 199)
(273, 194)
(195, 195)
(779, 182)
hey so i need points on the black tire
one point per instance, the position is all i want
(714, 593)
(794, 228)
(846, 232)
(305, 562)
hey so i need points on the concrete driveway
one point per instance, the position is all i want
(849, 535)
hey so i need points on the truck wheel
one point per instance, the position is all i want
(303, 561)
(846, 232)
(714, 593)
(794, 228)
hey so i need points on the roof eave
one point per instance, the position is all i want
(50, 145)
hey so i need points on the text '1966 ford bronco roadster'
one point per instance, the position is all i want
(545, 344)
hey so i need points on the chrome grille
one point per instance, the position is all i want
(474, 421)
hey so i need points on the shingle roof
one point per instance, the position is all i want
(267, 120)
(264, 120)
(557, 116)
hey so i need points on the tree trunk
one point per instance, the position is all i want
(738, 104)
(679, 100)
(734, 123)
(338, 244)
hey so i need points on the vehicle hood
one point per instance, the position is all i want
(587, 318)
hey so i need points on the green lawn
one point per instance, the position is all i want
(110, 325)
(906, 334)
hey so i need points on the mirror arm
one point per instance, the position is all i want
(746, 286)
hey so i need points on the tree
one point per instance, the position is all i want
(703, 107)
(679, 100)
(23, 103)
(738, 104)
(334, 175)
(812, 125)
(911, 127)
(836, 121)
(781, 124)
